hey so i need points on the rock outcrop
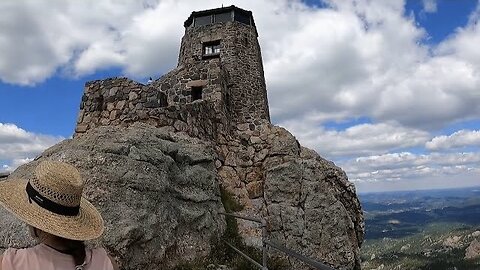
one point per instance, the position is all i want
(473, 250)
(308, 202)
(157, 192)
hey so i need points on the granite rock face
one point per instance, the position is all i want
(309, 204)
(473, 250)
(158, 191)
(158, 194)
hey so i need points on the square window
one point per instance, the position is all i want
(211, 49)
(196, 93)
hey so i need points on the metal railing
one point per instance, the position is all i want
(265, 243)
(262, 266)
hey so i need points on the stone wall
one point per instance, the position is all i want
(122, 102)
(241, 57)
(178, 83)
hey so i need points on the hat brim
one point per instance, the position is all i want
(87, 225)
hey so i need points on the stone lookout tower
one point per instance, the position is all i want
(227, 37)
(218, 86)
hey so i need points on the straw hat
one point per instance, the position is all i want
(52, 202)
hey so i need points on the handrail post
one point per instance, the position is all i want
(264, 244)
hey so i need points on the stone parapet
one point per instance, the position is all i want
(122, 102)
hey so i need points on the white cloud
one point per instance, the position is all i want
(41, 37)
(366, 58)
(459, 139)
(462, 43)
(16, 144)
(409, 166)
(363, 139)
(339, 61)
(430, 6)
(15, 163)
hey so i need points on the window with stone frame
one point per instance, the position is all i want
(211, 49)
(196, 93)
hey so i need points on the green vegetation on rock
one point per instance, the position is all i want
(440, 247)
(222, 254)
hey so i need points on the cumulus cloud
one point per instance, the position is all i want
(406, 165)
(15, 163)
(366, 58)
(459, 139)
(42, 36)
(18, 145)
(363, 139)
(341, 59)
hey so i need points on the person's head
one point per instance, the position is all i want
(51, 203)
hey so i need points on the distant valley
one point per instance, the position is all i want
(430, 229)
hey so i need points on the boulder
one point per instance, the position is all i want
(312, 207)
(473, 250)
(157, 192)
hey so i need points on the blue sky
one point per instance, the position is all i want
(449, 15)
(389, 90)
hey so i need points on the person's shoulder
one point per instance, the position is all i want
(102, 251)
(10, 252)
(11, 255)
(7, 257)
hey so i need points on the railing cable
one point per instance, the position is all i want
(298, 256)
(265, 243)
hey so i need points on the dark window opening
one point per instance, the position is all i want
(245, 41)
(204, 20)
(98, 103)
(211, 49)
(196, 93)
(227, 101)
(223, 17)
(242, 17)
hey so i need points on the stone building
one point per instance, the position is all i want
(217, 85)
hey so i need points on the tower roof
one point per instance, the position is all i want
(238, 14)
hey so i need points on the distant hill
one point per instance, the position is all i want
(422, 230)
